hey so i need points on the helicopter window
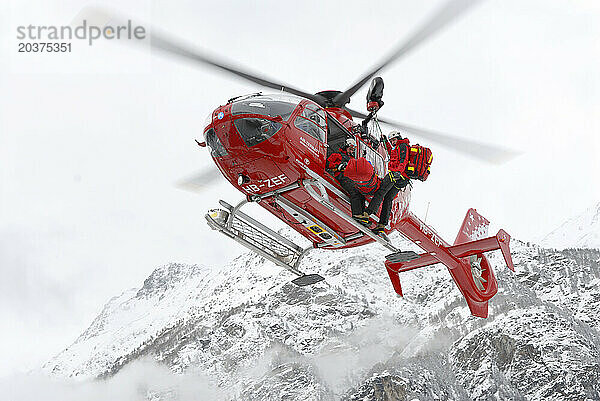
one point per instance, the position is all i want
(216, 147)
(255, 130)
(264, 106)
(315, 114)
(312, 121)
(310, 128)
(336, 134)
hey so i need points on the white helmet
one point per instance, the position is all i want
(395, 134)
(350, 142)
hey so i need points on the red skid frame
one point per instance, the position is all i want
(455, 258)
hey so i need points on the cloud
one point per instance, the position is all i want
(141, 380)
(345, 361)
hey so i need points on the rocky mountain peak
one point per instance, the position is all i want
(259, 337)
(167, 277)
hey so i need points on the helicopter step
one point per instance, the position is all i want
(261, 239)
(317, 188)
(400, 257)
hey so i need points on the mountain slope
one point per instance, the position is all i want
(582, 231)
(350, 337)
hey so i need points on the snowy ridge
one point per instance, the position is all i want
(136, 314)
(260, 337)
(582, 231)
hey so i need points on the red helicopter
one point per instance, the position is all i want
(273, 148)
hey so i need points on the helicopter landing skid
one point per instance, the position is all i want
(261, 239)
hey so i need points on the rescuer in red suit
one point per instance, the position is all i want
(365, 180)
(393, 182)
(336, 164)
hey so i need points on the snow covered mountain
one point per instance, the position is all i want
(259, 337)
(581, 231)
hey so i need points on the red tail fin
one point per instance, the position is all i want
(474, 227)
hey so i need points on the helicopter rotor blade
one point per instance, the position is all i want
(478, 150)
(201, 181)
(450, 11)
(174, 47)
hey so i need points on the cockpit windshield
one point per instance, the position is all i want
(267, 105)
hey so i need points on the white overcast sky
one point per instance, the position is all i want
(92, 142)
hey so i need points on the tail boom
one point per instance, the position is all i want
(465, 260)
(500, 241)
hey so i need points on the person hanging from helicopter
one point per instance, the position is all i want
(395, 180)
(366, 182)
(336, 164)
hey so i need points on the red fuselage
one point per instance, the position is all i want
(263, 143)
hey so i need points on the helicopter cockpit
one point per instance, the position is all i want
(254, 129)
(248, 116)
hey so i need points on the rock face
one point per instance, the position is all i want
(259, 337)
(582, 231)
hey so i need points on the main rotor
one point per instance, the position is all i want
(440, 19)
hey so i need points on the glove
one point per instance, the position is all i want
(397, 176)
(357, 129)
(398, 179)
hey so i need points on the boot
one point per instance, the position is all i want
(379, 228)
(361, 218)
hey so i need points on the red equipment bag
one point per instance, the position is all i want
(419, 162)
(361, 172)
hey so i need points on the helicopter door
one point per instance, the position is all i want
(313, 124)
(373, 157)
